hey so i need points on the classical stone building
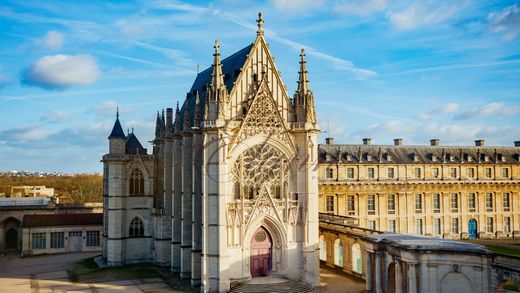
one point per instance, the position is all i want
(442, 191)
(230, 191)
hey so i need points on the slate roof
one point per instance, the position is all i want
(117, 130)
(49, 220)
(133, 146)
(402, 154)
(231, 67)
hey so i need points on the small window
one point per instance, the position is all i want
(418, 226)
(417, 173)
(489, 225)
(391, 173)
(453, 172)
(57, 239)
(93, 238)
(136, 183)
(471, 202)
(330, 173)
(371, 204)
(136, 228)
(507, 225)
(330, 204)
(505, 202)
(471, 173)
(39, 241)
(371, 174)
(454, 225)
(391, 226)
(488, 173)
(351, 205)
(418, 203)
(437, 225)
(350, 173)
(505, 172)
(372, 225)
(489, 202)
(436, 203)
(391, 204)
(454, 203)
(435, 172)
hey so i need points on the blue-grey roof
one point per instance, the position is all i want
(231, 67)
(117, 130)
(133, 146)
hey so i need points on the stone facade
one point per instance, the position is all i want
(237, 156)
(442, 191)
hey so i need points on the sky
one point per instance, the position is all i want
(382, 69)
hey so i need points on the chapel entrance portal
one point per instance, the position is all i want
(261, 253)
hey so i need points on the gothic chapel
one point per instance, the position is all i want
(231, 190)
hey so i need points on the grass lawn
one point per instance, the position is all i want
(504, 250)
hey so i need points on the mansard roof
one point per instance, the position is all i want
(416, 154)
(117, 130)
(133, 146)
(231, 67)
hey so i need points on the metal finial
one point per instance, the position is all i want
(198, 68)
(260, 22)
(132, 129)
(117, 112)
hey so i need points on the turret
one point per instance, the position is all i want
(197, 115)
(217, 94)
(177, 125)
(303, 97)
(117, 138)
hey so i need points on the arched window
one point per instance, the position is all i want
(136, 183)
(136, 228)
(338, 253)
(323, 249)
(356, 258)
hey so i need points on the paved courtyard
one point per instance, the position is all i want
(333, 282)
(49, 274)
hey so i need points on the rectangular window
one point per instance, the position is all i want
(489, 202)
(391, 226)
(488, 172)
(372, 225)
(471, 202)
(391, 204)
(92, 238)
(417, 173)
(505, 201)
(391, 173)
(418, 226)
(57, 239)
(454, 203)
(330, 173)
(505, 172)
(330, 204)
(350, 173)
(437, 224)
(371, 173)
(350, 205)
(418, 203)
(453, 172)
(471, 173)
(489, 224)
(507, 225)
(435, 172)
(38, 241)
(454, 226)
(436, 203)
(371, 204)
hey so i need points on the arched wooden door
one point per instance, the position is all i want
(261, 248)
(11, 239)
(472, 228)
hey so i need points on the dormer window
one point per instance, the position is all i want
(485, 157)
(415, 157)
(434, 158)
(469, 158)
(501, 158)
(388, 157)
(328, 157)
(451, 157)
(349, 157)
(369, 157)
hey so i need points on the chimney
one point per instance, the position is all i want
(329, 140)
(398, 141)
(367, 141)
(517, 143)
(435, 141)
(479, 142)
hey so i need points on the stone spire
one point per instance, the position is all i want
(117, 130)
(187, 121)
(217, 77)
(158, 125)
(197, 112)
(217, 94)
(163, 124)
(303, 98)
(260, 22)
(177, 125)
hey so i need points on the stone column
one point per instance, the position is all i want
(187, 217)
(379, 273)
(412, 278)
(177, 205)
(197, 209)
(398, 277)
(368, 273)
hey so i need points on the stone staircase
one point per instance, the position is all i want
(287, 286)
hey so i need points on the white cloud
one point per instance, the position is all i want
(490, 110)
(109, 108)
(59, 71)
(506, 21)
(23, 134)
(294, 6)
(423, 13)
(56, 117)
(445, 109)
(360, 7)
(52, 40)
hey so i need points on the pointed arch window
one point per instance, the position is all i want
(136, 228)
(136, 182)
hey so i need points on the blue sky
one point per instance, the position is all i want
(378, 68)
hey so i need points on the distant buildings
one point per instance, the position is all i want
(31, 191)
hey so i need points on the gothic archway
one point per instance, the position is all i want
(261, 253)
(11, 239)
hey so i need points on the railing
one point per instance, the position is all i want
(507, 261)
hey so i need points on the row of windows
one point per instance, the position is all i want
(338, 254)
(39, 240)
(455, 227)
(488, 173)
(436, 202)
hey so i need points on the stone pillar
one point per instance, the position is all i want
(368, 273)
(379, 273)
(197, 209)
(177, 205)
(187, 217)
(398, 277)
(412, 278)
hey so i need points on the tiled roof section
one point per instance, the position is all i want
(231, 67)
(133, 146)
(392, 154)
(49, 220)
(117, 130)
